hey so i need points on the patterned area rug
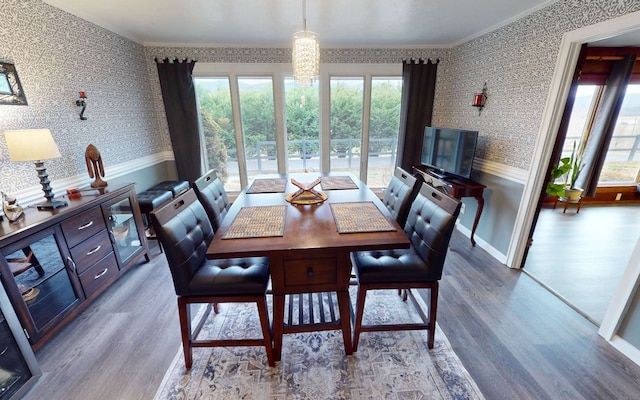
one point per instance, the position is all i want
(387, 365)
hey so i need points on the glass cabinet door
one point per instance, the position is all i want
(122, 225)
(18, 366)
(43, 280)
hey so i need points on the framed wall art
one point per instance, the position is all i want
(10, 88)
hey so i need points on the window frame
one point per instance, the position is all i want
(278, 72)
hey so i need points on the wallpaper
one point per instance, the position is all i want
(56, 56)
(517, 62)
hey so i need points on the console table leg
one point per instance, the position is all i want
(480, 201)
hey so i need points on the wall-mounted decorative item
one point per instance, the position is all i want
(10, 88)
(94, 166)
(36, 145)
(82, 102)
(479, 99)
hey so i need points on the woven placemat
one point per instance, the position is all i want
(359, 217)
(337, 183)
(260, 221)
(268, 186)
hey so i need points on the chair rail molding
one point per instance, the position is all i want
(34, 194)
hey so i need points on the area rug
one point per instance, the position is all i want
(387, 365)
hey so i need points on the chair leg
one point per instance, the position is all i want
(362, 295)
(184, 313)
(266, 330)
(433, 309)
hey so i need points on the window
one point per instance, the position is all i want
(346, 99)
(384, 126)
(303, 126)
(622, 164)
(258, 125)
(256, 120)
(216, 126)
(581, 115)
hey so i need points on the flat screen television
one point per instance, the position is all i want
(448, 152)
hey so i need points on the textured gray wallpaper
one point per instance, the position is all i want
(57, 55)
(517, 61)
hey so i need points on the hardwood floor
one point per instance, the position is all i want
(517, 340)
(119, 347)
(581, 256)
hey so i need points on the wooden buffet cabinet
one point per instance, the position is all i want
(54, 263)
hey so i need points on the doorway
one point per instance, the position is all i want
(581, 256)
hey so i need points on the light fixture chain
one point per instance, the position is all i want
(304, 15)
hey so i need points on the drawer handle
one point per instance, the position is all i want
(90, 252)
(73, 264)
(100, 274)
(85, 226)
(310, 272)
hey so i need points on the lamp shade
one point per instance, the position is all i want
(31, 145)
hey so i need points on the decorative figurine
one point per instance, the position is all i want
(94, 166)
(12, 210)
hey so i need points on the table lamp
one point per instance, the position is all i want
(36, 145)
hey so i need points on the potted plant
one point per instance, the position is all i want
(571, 192)
(569, 167)
(554, 188)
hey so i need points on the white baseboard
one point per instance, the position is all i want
(502, 258)
(626, 348)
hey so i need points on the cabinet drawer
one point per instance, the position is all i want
(91, 250)
(302, 272)
(82, 226)
(99, 275)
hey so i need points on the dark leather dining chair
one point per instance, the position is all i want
(184, 229)
(210, 191)
(429, 226)
(399, 194)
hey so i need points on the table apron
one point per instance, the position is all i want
(310, 271)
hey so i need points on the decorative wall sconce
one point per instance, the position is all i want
(479, 99)
(81, 102)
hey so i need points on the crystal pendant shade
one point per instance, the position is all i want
(306, 57)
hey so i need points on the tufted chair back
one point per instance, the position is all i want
(210, 191)
(401, 190)
(429, 226)
(185, 232)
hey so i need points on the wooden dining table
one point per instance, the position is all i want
(308, 246)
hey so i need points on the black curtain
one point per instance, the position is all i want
(604, 124)
(418, 91)
(179, 96)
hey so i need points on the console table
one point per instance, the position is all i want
(457, 187)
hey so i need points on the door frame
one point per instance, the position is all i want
(552, 115)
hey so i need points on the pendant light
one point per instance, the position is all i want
(306, 53)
